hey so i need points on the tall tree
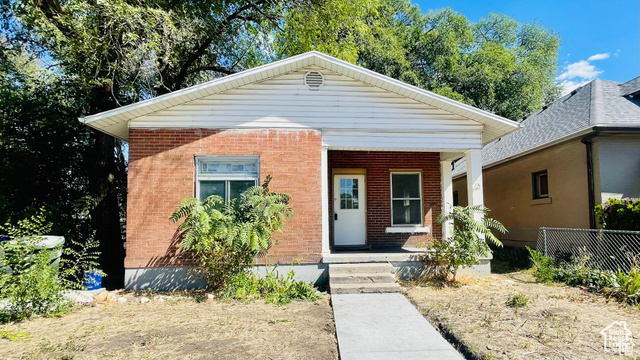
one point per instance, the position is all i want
(496, 64)
(122, 51)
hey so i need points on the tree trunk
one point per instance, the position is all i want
(107, 171)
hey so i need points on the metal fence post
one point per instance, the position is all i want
(544, 239)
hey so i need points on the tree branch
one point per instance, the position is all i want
(200, 50)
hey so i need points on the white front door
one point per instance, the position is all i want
(349, 208)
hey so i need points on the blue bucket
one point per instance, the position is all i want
(92, 280)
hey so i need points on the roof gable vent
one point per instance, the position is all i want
(314, 80)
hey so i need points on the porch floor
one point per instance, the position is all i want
(382, 254)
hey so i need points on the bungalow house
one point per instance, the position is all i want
(366, 158)
(568, 156)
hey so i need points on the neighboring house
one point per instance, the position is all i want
(366, 158)
(577, 152)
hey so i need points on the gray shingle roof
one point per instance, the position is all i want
(598, 103)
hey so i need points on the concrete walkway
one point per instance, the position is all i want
(386, 326)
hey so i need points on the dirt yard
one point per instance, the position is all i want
(558, 322)
(165, 328)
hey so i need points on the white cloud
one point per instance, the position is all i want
(616, 53)
(580, 72)
(581, 69)
(598, 57)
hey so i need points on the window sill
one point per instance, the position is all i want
(408, 229)
(541, 201)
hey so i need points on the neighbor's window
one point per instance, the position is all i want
(406, 198)
(540, 184)
(226, 176)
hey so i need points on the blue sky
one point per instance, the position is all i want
(600, 39)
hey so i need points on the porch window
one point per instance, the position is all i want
(406, 198)
(225, 176)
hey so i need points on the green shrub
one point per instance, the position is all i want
(543, 266)
(575, 272)
(29, 285)
(467, 244)
(626, 286)
(620, 214)
(274, 288)
(223, 238)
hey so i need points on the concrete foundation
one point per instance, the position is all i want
(178, 278)
(407, 265)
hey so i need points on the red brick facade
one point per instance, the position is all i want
(378, 165)
(161, 173)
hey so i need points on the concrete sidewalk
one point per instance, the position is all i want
(386, 326)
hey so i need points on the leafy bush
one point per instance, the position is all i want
(543, 266)
(467, 244)
(626, 286)
(224, 237)
(274, 288)
(620, 214)
(29, 284)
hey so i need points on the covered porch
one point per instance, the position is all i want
(379, 204)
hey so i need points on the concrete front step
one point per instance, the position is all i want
(371, 288)
(361, 278)
(362, 268)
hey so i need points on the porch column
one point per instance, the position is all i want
(324, 184)
(446, 189)
(474, 178)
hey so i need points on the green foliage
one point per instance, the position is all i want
(517, 301)
(223, 237)
(274, 288)
(624, 286)
(468, 242)
(543, 266)
(29, 284)
(496, 64)
(620, 214)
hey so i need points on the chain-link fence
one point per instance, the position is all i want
(603, 249)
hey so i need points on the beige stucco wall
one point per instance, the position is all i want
(508, 191)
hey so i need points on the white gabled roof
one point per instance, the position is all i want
(115, 122)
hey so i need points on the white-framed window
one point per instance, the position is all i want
(540, 181)
(225, 176)
(406, 198)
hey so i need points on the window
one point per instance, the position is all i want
(406, 198)
(540, 182)
(455, 198)
(227, 176)
(348, 194)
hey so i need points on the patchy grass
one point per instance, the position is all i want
(511, 317)
(177, 327)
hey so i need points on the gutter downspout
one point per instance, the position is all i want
(590, 182)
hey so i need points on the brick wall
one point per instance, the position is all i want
(161, 173)
(378, 165)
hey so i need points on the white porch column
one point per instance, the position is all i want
(324, 184)
(446, 188)
(474, 178)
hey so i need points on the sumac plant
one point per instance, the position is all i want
(223, 238)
